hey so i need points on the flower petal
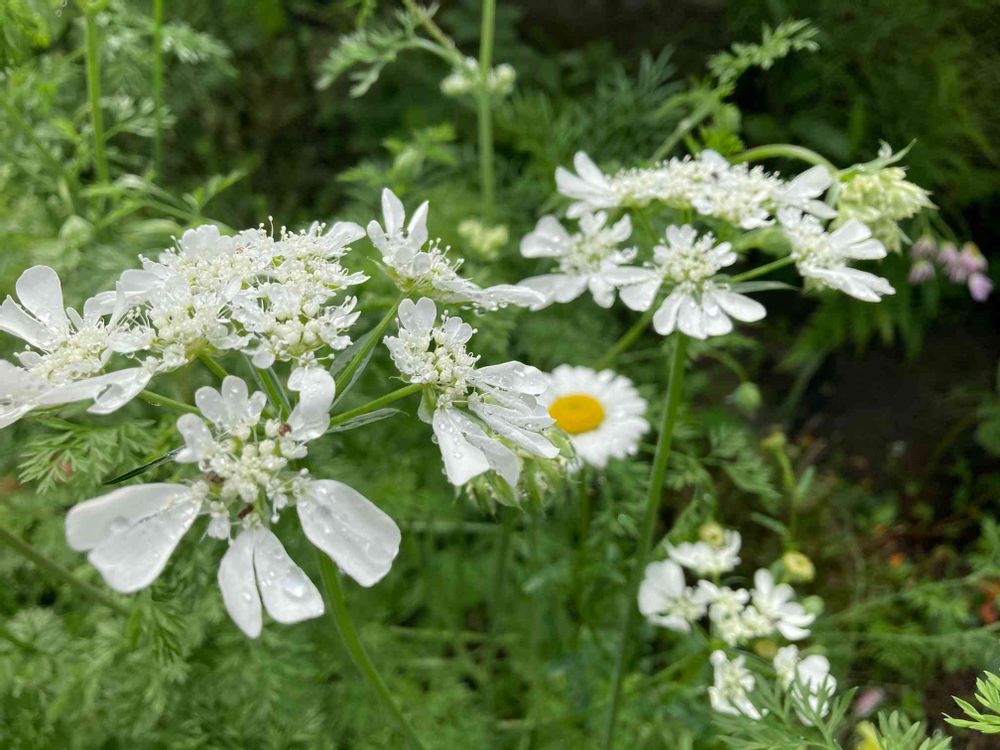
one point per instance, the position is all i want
(238, 585)
(311, 416)
(354, 532)
(462, 460)
(93, 521)
(289, 596)
(40, 292)
(393, 212)
(15, 321)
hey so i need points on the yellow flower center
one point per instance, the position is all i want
(577, 413)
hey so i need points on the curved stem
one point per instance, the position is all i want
(786, 151)
(349, 635)
(58, 572)
(94, 88)
(215, 368)
(376, 404)
(484, 112)
(157, 400)
(627, 339)
(761, 270)
(653, 499)
(345, 375)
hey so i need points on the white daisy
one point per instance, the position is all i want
(665, 600)
(246, 480)
(732, 685)
(824, 256)
(480, 416)
(420, 267)
(776, 602)
(586, 259)
(602, 412)
(707, 559)
(697, 305)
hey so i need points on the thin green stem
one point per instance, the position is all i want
(378, 403)
(157, 400)
(360, 657)
(580, 559)
(627, 339)
(785, 151)
(275, 393)
(428, 23)
(94, 89)
(753, 273)
(58, 572)
(214, 367)
(653, 499)
(686, 125)
(158, 86)
(344, 376)
(507, 520)
(484, 110)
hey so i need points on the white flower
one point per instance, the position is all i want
(775, 602)
(732, 684)
(736, 193)
(66, 351)
(602, 412)
(419, 267)
(665, 600)
(466, 401)
(809, 680)
(804, 191)
(824, 256)
(697, 305)
(590, 187)
(246, 481)
(706, 559)
(587, 259)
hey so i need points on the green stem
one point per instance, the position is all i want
(428, 23)
(349, 636)
(214, 367)
(58, 572)
(761, 270)
(786, 151)
(686, 125)
(158, 86)
(580, 559)
(653, 499)
(157, 400)
(484, 110)
(626, 340)
(345, 375)
(275, 393)
(507, 520)
(94, 89)
(376, 404)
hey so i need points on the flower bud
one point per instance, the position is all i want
(746, 398)
(712, 533)
(798, 567)
(765, 648)
(774, 442)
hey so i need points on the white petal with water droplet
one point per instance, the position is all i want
(93, 521)
(289, 596)
(238, 585)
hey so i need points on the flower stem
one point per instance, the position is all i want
(349, 635)
(761, 270)
(158, 86)
(428, 23)
(58, 572)
(275, 393)
(787, 151)
(378, 403)
(507, 521)
(215, 368)
(686, 125)
(484, 111)
(92, 54)
(627, 340)
(157, 400)
(653, 499)
(345, 375)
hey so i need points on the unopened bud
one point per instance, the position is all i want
(798, 567)
(712, 533)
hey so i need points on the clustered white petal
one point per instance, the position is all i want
(246, 478)
(483, 417)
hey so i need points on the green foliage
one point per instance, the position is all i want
(988, 696)
(896, 732)
(796, 35)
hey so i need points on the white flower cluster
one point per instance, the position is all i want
(246, 478)
(483, 417)
(736, 616)
(465, 79)
(699, 303)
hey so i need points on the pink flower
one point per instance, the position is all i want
(922, 270)
(980, 286)
(924, 249)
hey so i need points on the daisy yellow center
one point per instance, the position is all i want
(576, 413)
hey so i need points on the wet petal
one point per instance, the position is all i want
(93, 521)
(462, 460)
(238, 585)
(289, 596)
(40, 293)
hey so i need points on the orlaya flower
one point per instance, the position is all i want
(590, 259)
(804, 191)
(246, 481)
(421, 267)
(706, 559)
(666, 600)
(731, 687)
(776, 602)
(67, 351)
(808, 678)
(698, 305)
(481, 416)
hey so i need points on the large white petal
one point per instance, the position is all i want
(15, 321)
(462, 460)
(40, 292)
(513, 376)
(239, 587)
(132, 559)
(91, 522)
(740, 306)
(355, 533)
(417, 316)
(549, 239)
(289, 596)
(665, 319)
(115, 389)
(311, 416)
(416, 230)
(393, 212)
(556, 287)
(198, 440)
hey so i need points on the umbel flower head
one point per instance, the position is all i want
(246, 478)
(484, 418)
(419, 267)
(601, 412)
(66, 352)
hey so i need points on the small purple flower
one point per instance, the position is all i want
(924, 249)
(867, 701)
(950, 259)
(980, 286)
(922, 270)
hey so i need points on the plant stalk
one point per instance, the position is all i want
(158, 87)
(92, 54)
(786, 151)
(484, 110)
(627, 339)
(655, 494)
(157, 400)
(378, 403)
(345, 375)
(761, 270)
(357, 652)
